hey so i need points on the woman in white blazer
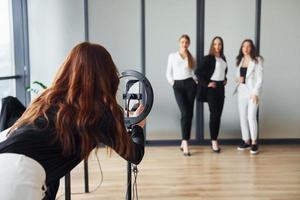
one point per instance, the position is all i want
(249, 77)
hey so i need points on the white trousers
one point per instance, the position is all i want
(21, 177)
(248, 113)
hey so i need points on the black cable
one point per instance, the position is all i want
(93, 190)
(135, 189)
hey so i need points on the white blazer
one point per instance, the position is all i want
(254, 77)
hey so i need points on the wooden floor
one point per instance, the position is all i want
(166, 174)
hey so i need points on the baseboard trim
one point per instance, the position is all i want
(282, 141)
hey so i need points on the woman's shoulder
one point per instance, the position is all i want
(173, 54)
(209, 57)
(258, 60)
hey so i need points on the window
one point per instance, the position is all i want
(7, 67)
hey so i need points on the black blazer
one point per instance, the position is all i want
(204, 72)
(11, 111)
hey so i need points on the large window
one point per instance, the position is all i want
(14, 56)
(279, 108)
(7, 67)
(165, 22)
(236, 25)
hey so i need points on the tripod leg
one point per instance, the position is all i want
(128, 181)
(86, 176)
(68, 186)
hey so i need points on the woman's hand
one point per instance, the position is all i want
(212, 85)
(254, 98)
(241, 79)
(136, 113)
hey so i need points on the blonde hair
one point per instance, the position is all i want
(189, 55)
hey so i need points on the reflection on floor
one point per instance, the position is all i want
(166, 174)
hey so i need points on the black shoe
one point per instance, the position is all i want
(181, 149)
(243, 146)
(187, 154)
(254, 149)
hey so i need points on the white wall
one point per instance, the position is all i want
(55, 26)
(280, 39)
(234, 21)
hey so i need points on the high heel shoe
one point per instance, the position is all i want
(215, 143)
(216, 150)
(187, 154)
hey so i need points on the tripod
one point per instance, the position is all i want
(130, 166)
(145, 94)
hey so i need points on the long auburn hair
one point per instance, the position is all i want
(212, 50)
(189, 55)
(253, 53)
(85, 85)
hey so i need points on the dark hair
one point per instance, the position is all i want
(189, 55)
(84, 87)
(212, 50)
(253, 53)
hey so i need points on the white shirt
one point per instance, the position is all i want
(219, 73)
(178, 69)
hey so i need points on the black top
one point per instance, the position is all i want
(37, 143)
(204, 72)
(243, 72)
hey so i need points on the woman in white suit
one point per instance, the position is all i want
(249, 79)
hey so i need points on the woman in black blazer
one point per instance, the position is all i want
(211, 76)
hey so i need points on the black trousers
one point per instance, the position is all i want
(215, 100)
(185, 92)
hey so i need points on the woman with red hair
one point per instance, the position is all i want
(65, 123)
